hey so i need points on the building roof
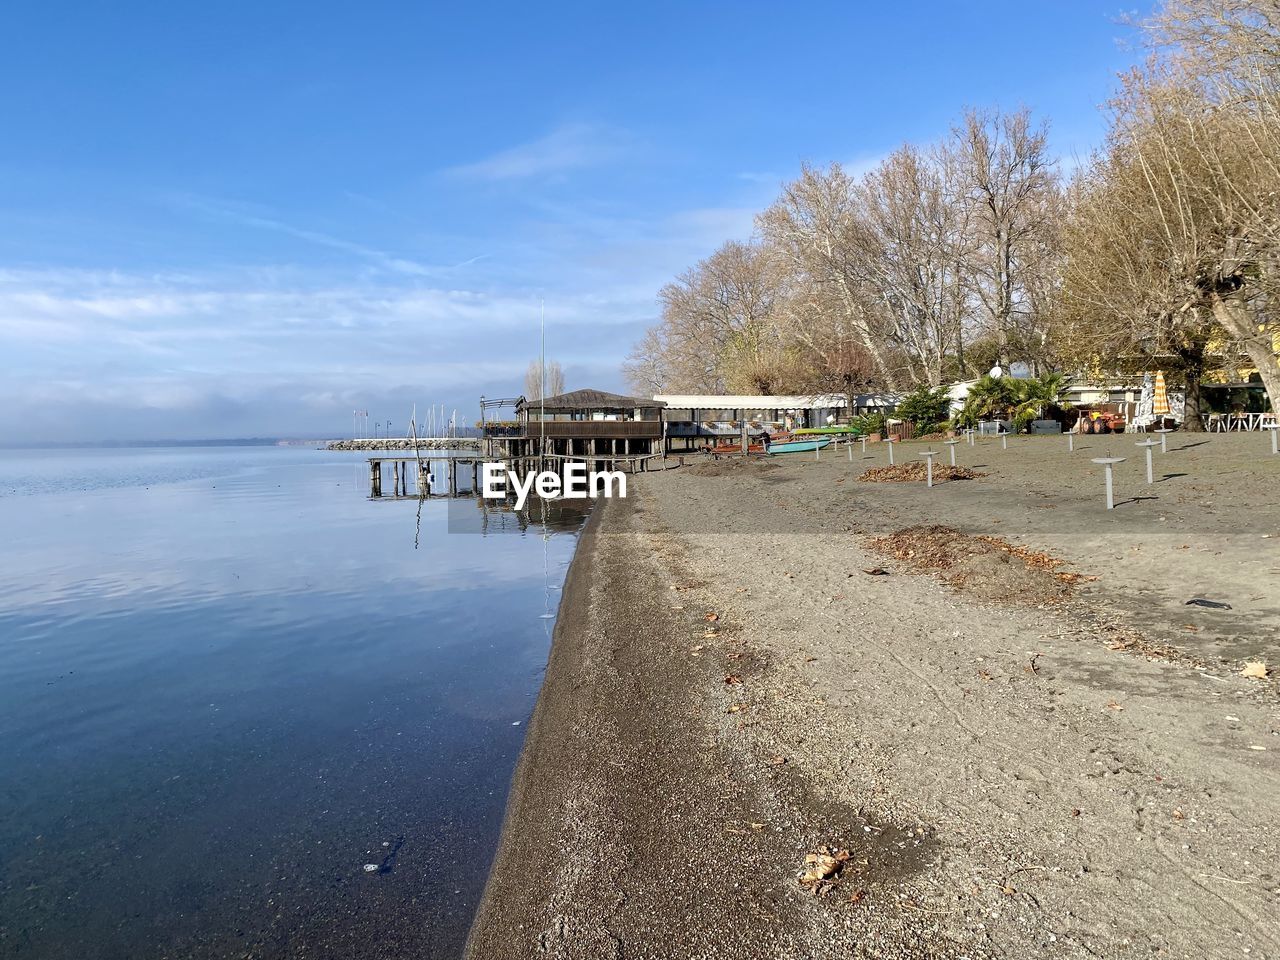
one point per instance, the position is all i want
(590, 400)
(714, 401)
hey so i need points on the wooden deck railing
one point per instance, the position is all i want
(595, 429)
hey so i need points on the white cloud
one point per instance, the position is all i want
(232, 354)
(568, 147)
(238, 213)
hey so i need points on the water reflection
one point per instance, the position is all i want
(228, 682)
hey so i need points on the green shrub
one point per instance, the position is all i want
(924, 406)
(868, 423)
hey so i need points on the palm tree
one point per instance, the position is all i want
(1038, 395)
(988, 398)
(1018, 400)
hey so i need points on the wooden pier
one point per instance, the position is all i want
(422, 469)
(456, 469)
(391, 444)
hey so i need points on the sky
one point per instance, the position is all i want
(246, 219)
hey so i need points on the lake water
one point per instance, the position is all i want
(229, 682)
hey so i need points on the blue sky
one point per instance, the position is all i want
(241, 218)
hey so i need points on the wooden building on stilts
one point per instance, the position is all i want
(588, 425)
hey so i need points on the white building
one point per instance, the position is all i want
(722, 415)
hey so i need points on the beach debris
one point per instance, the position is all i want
(732, 679)
(822, 868)
(987, 565)
(915, 471)
(371, 868)
(777, 761)
(1210, 604)
(875, 571)
(711, 617)
(1257, 669)
(857, 896)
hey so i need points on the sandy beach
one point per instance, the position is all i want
(791, 714)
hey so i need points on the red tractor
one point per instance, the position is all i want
(1100, 418)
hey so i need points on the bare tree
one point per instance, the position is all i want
(1208, 109)
(543, 381)
(647, 368)
(717, 329)
(1124, 303)
(1010, 184)
(813, 225)
(911, 242)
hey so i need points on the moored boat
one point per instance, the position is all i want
(799, 446)
(840, 431)
(755, 446)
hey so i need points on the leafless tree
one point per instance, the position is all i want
(1123, 304)
(540, 381)
(1009, 183)
(814, 227)
(1207, 110)
(648, 369)
(911, 243)
(718, 328)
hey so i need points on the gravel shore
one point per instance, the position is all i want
(921, 700)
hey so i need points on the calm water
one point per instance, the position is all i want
(228, 682)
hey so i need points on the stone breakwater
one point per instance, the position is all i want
(404, 443)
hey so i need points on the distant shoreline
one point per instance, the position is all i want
(140, 444)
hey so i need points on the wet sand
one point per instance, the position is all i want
(1020, 760)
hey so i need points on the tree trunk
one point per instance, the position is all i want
(1193, 367)
(1256, 339)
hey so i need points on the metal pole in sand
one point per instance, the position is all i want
(850, 451)
(1149, 444)
(1275, 443)
(1164, 432)
(1071, 441)
(1109, 462)
(928, 466)
(889, 442)
(951, 448)
(1004, 440)
(863, 441)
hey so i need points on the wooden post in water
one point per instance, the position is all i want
(375, 478)
(453, 477)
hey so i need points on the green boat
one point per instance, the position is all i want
(799, 446)
(841, 431)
